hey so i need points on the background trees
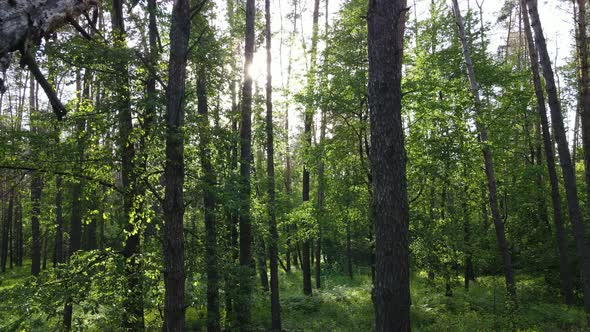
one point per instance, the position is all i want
(196, 154)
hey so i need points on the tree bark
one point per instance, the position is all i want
(308, 123)
(244, 298)
(174, 276)
(59, 251)
(273, 251)
(391, 289)
(567, 168)
(6, 229)
(564, 267)
(488, 162)
(209, 203)
(582, 43)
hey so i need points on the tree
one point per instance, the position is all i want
(567, 168)
(213, 317)
(391, 290)
(308, 123)
(564, 269)
(173, 204)
(488, 161)
(245, 222)
(273, 252)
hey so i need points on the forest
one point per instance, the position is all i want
(294, 165)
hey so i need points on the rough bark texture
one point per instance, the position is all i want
(488, 162)
(391, 289)
(567, 168)
(273, 251)
(209, 202)
(173, 205)
(564, 269)
(245, 224)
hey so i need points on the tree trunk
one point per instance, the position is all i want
(391, 289)
(582, 43)
(133, 302)
(567, 168)
(173, 205)
(59, 230)
(6, 229)
(564, 266)
(273, 251)
(76, 203)
(245, 227)
(488, 162)
(36, 188)
(209, 203)
(308, 124)
(18, 217)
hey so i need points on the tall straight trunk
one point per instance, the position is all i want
(564, 266)
(133, 302)
(150, 114)
(173, 205)
(469, 273)
(209, 202)
(36, 188)
(59, 230)
(18, 217)
(308, 124)
(488, 162)
(6, 229)
(76, 203)
(244, 298)
(582, 44)
(391, 289)
(273, 246)
(567, 168)
(288, 171)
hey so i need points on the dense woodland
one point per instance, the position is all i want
(293, 165)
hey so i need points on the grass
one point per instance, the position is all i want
(344, 304)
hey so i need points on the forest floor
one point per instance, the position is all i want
(344, 304)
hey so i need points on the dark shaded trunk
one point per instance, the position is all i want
(133, 302)
(391, 289)
(173, 204)
(244, 299)
(7, 220)
(76, 204)
(261, 262)
(209, 203)
(567, 168)
(273, 247)
(582, 43)
(308, 124)
(59, 229)
(36, 188)
(18, 217)
(488, 162)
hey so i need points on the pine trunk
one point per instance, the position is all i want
(567, 168)
(173, 205)
(391, 289)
